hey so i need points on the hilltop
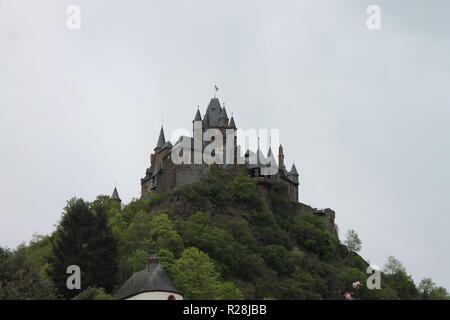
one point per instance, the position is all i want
(222, 238)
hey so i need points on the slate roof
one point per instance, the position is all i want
(154, 278)
(161, 139)
(223, 114)
(232, 125)
(293, 170)
(198, 116)
(212, 114)
(115, 195)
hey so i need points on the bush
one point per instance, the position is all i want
(92, 293)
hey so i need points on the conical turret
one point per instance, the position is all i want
(232, 125)
(223, 118)
(198, 116)
(161, 140)
(115, 197)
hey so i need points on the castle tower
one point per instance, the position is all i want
(280, 157)
(232, 125)
(161, 140)
(197, 120)
(197, 134)
(115, 197)
(212, 114)
(223, 119)
(294, 173)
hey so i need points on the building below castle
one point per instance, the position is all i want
(164, 175)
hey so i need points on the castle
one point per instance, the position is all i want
(164, 175)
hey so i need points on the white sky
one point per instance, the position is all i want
(364, 114)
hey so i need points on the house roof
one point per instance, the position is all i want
(154, 278)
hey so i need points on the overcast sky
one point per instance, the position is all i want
(363, 113)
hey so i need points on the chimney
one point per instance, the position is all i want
(153, 260)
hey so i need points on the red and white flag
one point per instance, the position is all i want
(216, 88)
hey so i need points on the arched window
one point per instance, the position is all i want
(171, 297)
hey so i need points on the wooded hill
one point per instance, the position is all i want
(218, 239)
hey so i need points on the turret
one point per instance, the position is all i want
(293, 174)
(115, 197)
(197, 120)
(280, 157)
(223, 118)
(161, 140)
(212, 114)
(232, 125)
(271, 158)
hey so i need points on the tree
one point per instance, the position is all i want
(195, 275)
(430, 291)
(138, 261)
(439, 293)
(92, 293)
(20, 280)
(397, 278)
(167, 260)
(151, 233)
(279, 258)
(83, 238)
(425, 287)
(352, 241)
(393, 266)
(228, 291)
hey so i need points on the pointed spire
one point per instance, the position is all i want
(198, 116)
(260, 156)
(269, 153)
(223, 114)
(161, 139)
(115, 195)
(293, 170)
(232, 125)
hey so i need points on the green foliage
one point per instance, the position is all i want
(429, 290)
(20, 280)
(167, 259)
(83, 238)
(196, 275)
(228, 291)
(138, 260)
(403, 285)
(426, 286)
(279, 258)
(397, 279)
(240, 243)
(312, 235)
(393, 266)
(350, 275)
(355, 261)
(439, 293)
(352, 241)
(92, 293)
(218, 243)
(245, 192)
(147, 232)
(300, 286)
(38, 251)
